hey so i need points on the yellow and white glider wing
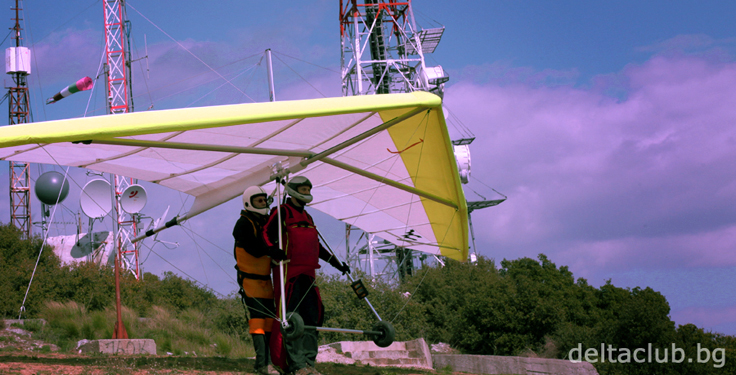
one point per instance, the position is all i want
(383, 163)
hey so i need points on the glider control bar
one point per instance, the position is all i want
(382, 333)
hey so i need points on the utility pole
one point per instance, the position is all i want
(18, 66)
(119, 101)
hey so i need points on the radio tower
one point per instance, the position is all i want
(119, 100)
(383, 52)
(18, 66)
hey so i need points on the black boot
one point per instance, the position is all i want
(260, 344)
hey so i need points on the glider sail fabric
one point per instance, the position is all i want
(383, 163)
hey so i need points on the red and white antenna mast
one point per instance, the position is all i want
(18, 66)
(117, 57)
(119, 100)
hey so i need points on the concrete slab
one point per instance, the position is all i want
(329, 354)
(413, 353)
(492, 364)
(120, 346)
(366, 346)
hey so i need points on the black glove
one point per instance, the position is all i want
(344, 268)
(276, 254)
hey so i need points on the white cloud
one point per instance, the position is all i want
(605, 176)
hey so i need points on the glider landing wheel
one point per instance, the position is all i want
(295, 329)
(387, 335)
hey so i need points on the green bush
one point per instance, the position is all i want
(522, 307)
(343, 309)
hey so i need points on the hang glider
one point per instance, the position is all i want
(382, 163)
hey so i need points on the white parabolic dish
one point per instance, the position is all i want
(96, 198)
(134, 198)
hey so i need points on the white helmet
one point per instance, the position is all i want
(248, 195)
(293, 185)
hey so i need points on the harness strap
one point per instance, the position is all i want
(253, 276)
(256, 226)
(302, 224)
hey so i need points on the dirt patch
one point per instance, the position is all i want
(18, 339)
(39, 369)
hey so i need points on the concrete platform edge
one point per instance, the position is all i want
(120, 346)
(491, 364)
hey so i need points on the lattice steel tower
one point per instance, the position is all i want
(382, 50)
(18, 66)
(119, 100)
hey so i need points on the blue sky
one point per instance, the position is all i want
(609, 126)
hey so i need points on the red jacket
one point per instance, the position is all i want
(300, 240)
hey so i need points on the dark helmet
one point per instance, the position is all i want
(293, 185)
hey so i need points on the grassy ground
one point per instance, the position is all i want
(187, 343)
(188, 333)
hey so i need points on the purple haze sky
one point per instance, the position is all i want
(610, 127)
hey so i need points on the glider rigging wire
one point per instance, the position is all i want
(306, 62)
(190, 52)
(501, 194)
(91, 93)
(303, 79)
(145, 80)
(218, 87)
(190, 277)
(197, 75)
(6, 37)
(410, 296)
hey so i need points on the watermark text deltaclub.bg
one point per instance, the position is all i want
(607, 353)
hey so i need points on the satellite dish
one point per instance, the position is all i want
(133, 199)
(462, 157)
(51, 188)
(96, 198)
